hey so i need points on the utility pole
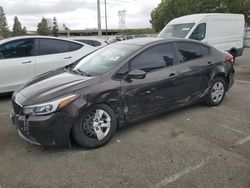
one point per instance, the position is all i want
(99, 18)
(106, 22)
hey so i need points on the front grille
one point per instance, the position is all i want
(16, 107)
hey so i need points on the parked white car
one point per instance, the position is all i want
(223, 31)
(22, 58)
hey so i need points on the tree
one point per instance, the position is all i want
(4, 29)
(42, 27)
(17, 27)
(169, 9)
(65, 27)
(24, 31)
(55, 29)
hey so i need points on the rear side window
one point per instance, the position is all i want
(90, 42)
(199, 33)
(17, 49)
(190, 50)
(53, 46)
(74, 46)
(154, 58)
(96, 43)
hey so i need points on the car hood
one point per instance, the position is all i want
(51, 85)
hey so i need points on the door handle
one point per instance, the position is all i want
(26, 62)
(209, 63)
(68, 57)
(172, 75)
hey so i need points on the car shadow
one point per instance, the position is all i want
(123, 130)
(148, 121)
(5, 96)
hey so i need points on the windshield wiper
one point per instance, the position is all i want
(79, 71)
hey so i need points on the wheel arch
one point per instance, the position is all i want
(220, 72)
(114, 105)
(233, 52)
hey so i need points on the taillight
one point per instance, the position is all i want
(230, 58)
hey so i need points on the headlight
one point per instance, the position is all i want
(51, 106)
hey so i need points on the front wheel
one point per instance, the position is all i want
(216, 92)
(95, 126)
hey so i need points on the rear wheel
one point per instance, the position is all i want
(95, 126)
(216, 92)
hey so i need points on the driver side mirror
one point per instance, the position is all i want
(136, 74)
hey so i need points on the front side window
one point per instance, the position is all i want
(199, 33)
(154, 58)
(17, 49)
(105, 59)
(190, 50)
(176, 30)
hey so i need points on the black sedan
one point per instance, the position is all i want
(116, 85)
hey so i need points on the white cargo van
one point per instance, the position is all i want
(223, 31)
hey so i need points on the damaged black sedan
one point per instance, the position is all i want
(116, 85)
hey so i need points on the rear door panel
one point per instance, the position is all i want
(46, 62)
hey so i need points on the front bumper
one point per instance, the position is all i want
(48, 130)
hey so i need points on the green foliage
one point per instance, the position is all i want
(55, 29)
(4, 29)
(43, 28)
(136, 31)
(17, 28)
(169, 9)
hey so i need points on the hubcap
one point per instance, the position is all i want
(217, 92)
(96, 124)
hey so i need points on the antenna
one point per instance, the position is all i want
(122, 15)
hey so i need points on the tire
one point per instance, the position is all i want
(93, 131)
(216, 93)
(233, 53)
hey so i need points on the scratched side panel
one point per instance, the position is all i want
(107, 92)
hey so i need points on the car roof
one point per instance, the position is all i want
(35, 36)
(141, 41)
(87, 38)
(147, 41)
(193, 18)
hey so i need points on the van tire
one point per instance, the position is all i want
(234, 54)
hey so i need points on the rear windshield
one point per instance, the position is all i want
(176, 30)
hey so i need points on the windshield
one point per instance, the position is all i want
(104, 59)
(176, 30)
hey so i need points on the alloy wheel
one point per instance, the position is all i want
(96, 124)
(217, 92)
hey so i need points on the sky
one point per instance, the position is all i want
(78, 14)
